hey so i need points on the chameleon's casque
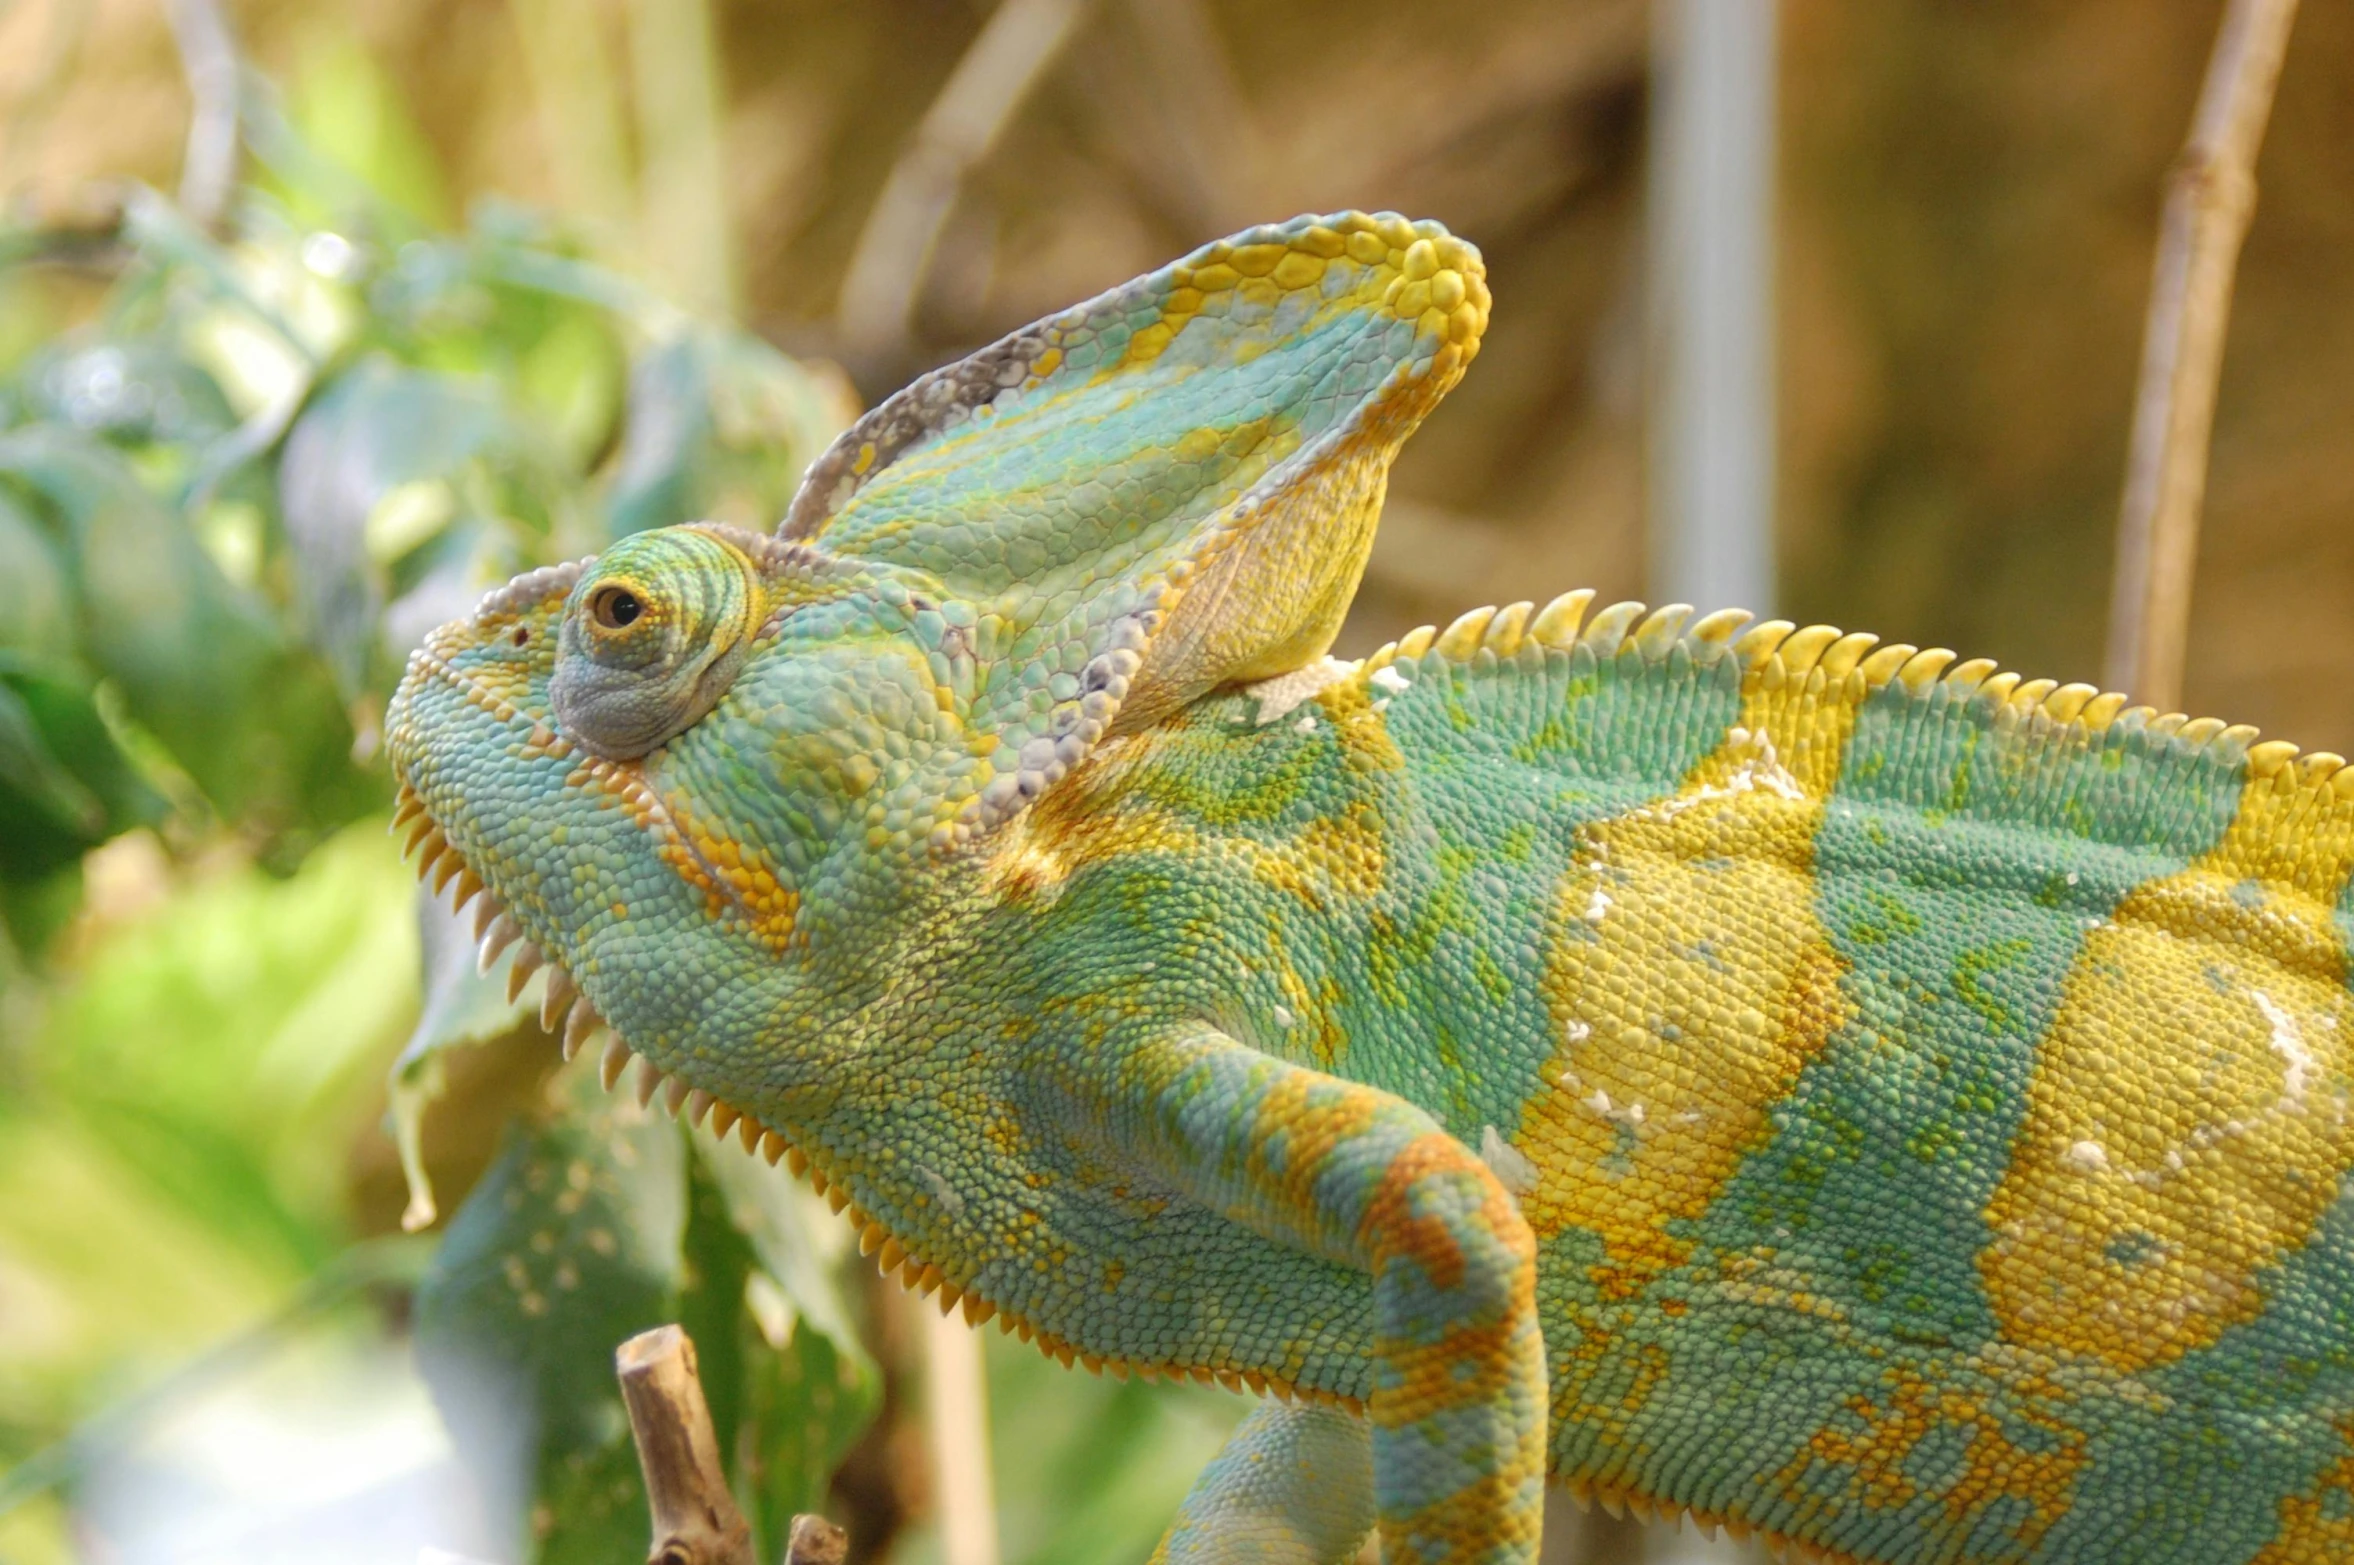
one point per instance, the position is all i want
(1825, 1089)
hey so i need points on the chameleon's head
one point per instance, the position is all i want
(707, 774)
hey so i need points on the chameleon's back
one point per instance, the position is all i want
(1930, 1094)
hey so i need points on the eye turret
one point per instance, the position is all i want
(652, 635)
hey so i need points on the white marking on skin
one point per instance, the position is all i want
(1283, 1017)
(1512, 1169)
(2090, 1156)
(1599, 1101)
(1577, 1031)
(1596, 906)
(1390, 679)
(943, 1192)
(1280, 696)
(1306, 724)
(2297, 1061)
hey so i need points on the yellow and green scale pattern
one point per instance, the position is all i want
(1827, 1089)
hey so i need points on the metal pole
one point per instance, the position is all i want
(1711, 431)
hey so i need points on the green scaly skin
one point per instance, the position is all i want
(1811, 1086)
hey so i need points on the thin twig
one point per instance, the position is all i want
(894, 251)
(695, 1517)
(2210, 197)
(957, 1419)
(208, 58)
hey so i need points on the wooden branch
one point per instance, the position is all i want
(894, 250)
(2210, 197)
(695, 1517)
(816, 1541)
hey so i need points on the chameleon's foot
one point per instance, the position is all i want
(1293, 1487)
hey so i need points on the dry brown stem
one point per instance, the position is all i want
(695, 1517)
(208, 57)
(2210, 196)
(1016, 45)
(816, 1541)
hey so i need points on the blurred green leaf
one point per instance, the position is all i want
(598, 1222)
(185, 646)
(721, 426)
(349, 112)
(374, 471)
(464, 1008)
(809, 1386)
(571, 1243)
(37, 613)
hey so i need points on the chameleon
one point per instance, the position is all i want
(1734, 1071)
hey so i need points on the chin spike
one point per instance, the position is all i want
(674, 1096)
(837, 1198)
(561, 992)
(891, 1256)
(797, 1161)
(977, 1310)
(579, 1022)
(724, 1118)
(772, 1147)
(614, 1061)
(520, 967)
(503, 932)
(649, 1079)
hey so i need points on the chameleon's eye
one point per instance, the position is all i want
(616, 607)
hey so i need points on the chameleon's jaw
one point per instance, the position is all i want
(479, 686)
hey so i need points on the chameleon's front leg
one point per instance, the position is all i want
(1294, 1486)
(1457, 1404)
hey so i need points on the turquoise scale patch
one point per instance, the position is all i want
(1504, 755)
